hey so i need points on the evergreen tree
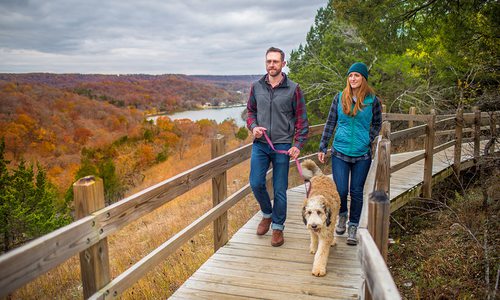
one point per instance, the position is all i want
(99, 163)
(27, 204)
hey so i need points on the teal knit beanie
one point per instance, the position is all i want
(359, 67)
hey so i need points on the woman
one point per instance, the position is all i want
(357, 116)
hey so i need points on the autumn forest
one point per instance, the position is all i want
(67, 126)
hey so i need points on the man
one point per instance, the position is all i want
(275, 106)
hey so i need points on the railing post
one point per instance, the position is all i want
(219, 193)
(429, 155)
(379, 204)
(493, 131)
(379, 209)
(457, 156)
(94, 261)
(411, 142)
(477, 132)
(383, 174)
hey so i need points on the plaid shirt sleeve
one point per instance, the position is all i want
(301, 122)
(331, 122)
(252, 111)
(376, 119)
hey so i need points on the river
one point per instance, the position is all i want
(217, 114)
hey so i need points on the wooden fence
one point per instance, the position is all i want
(87, 236)
(374, 224)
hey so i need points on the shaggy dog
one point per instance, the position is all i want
(319, 212)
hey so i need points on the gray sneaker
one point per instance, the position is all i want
(351, 235)
(340, 228)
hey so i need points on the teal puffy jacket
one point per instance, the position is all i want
(352, 136)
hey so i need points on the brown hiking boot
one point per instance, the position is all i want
(263, 227)
(277, 239)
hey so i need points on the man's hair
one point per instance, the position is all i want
(274, 49)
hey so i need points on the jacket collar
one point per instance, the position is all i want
(283, 83)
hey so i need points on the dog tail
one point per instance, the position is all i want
(310, 169)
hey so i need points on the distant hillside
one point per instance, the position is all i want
(239, 83)
(55, 118)
(146, 92)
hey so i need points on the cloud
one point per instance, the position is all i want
(154, 37)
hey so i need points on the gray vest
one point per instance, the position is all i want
(276, 110)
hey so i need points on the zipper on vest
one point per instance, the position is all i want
(352, 136)
(271, 95)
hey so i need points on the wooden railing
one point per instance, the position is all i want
(374, 224)
(88, 235)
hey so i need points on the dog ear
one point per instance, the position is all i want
(328, 217)
(304, 215)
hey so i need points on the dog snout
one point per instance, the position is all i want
(314, 226)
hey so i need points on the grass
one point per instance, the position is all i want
(447, 248)
(136, 240)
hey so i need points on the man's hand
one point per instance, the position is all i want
(258, 131)
(294, 152)
(321, 157)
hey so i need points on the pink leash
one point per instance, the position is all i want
(299, 167)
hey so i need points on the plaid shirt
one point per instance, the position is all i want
(299, 105)
(331, 123)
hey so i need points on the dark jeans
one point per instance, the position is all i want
(262, 157)
(356, 172)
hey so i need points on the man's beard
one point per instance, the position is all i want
(274, 73)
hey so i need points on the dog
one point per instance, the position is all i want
(319, 213)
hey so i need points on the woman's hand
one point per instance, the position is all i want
(321, 157)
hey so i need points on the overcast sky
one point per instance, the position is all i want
(219, 37)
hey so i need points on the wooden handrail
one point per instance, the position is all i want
(21, 265)
(119, 214)
(27, 262)
(118, 285)
(404, 117)
(378, 278)
(409, 133)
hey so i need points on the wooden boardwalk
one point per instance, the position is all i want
(248, 267)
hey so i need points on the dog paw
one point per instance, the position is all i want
(319, 272)
(334, 242)
(312, 250)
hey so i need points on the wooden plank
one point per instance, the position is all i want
(444, 146)
(377, 275)
(219, 193)
(405, 197)
(445, 123)
(305, 286)
(411, 141)
(188, 293)
(139, 269)
(407, 162)
(477, 132)
(94, 261)
(404, 117)
(316, 130)
(378, 222)
(125, 211)
(469, 118)
(369, 184)
(302, 270)
(382, 181)
(23, 264)
(429, 157)
(243, 291)
(409, 133)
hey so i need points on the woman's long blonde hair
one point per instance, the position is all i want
(347, 95)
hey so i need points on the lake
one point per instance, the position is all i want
(217, 114)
